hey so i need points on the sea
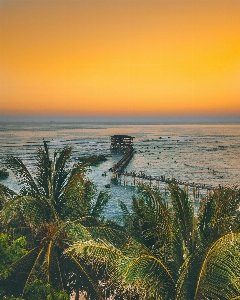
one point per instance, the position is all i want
(200, 153)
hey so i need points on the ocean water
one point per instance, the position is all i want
(203, 153)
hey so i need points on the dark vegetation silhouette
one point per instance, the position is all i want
(163, 249)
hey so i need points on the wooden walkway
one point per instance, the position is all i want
(196, 189)
(122, 163)
(164, 179)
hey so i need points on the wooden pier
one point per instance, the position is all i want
(196, 190)
(124, 143)
(122, 163)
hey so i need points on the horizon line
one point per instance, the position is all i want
(130, 119)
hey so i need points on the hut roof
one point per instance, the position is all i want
(121, 136)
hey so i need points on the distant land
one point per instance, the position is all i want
(209, 119)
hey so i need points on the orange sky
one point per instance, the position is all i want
(119, 57)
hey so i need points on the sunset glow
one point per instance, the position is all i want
(123, 57)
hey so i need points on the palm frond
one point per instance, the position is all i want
(85, 274)
(126, 217)
(100, 204)
(25, 179)
(71, 232)
(75, 201)
(21, 270)
(125, 269)
(109, 230)
(98, 251)
(184, 216)
(151, 274)
(150, 218)
(220, 271)
(54, 273)
(34, 272)
(60, 172)
(44, 171)
(29, 211)
(6, 194)
(158, 209)
(101, 253)
(218, 213)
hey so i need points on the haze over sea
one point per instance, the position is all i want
(201, 153)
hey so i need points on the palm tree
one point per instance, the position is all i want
(217, 249)
(178, 255)
(55, 208)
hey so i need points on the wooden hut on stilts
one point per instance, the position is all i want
(121, 142)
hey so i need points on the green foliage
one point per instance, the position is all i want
(219, 214)
(38, 290)
(3, 173)
(178, 255)
(163, 252)
(100, 204)
(220, 272)
(6, 194)
(212, 273)
(52, 207)
(10, 251)
(183, 218)
(92, 160)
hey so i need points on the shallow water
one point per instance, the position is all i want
(196, 153)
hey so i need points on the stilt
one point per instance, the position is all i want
(125, 143)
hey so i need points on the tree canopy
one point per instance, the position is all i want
(162, 249)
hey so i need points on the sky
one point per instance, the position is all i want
(120, 57)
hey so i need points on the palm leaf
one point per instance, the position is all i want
(110, 232)
(100, 204)
(150, 218)
(60, 172)
(125, 269)
(44, 171)
(218, 213)
(6, 194)
(26, 181)
(21, 269)
(212, 273)
(85, 274)
(148, 272)
(158, 211)
(101, 253)
(184, 216)
(126, 217)
(71, 232)
(75, 201)
(220, 271)
(32, 211)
